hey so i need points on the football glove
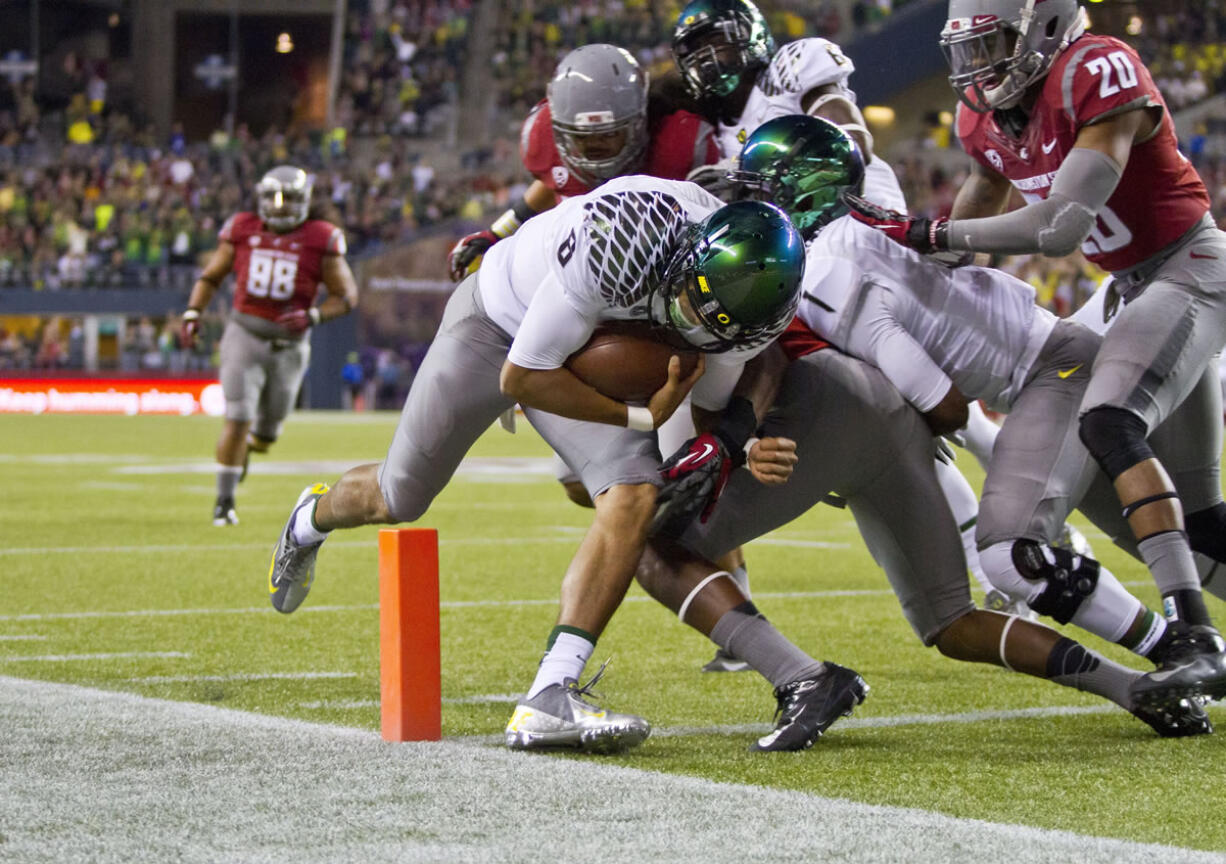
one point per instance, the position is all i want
(298, 320)
(915, 232)
(694, 477)
(468, 251)
(189, 330)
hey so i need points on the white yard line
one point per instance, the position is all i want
(244, 676)
(119, 778)
(117, 655)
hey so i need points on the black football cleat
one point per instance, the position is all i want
(1192, 663)
(224, 512)
(808, 707)
(1179, 718)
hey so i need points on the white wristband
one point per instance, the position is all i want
(638, 417)
(191, 315)
(313, 314)
(749, 445)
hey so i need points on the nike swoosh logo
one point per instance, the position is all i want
(707, 450)
(1064, 373)
(1049, 146)
(1202, 257)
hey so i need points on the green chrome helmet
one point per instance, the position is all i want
(717, 42)
(734, 281)
(804, 165)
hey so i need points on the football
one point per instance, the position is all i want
(625, 361)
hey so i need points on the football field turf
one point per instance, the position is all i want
(113, 579)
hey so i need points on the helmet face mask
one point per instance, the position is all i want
(283, 198)
(804, 165)
(716, 43)
(734, 280)
(598, 105)
(998, 49)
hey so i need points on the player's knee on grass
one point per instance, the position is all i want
(1054, 582)
(1115, 438)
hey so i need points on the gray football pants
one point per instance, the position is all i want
(1172, 327)
(455, 397)
(857, 437)
(261, 377)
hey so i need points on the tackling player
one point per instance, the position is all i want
(720, 279)
(1075, 123)
(739, 80)
(593, 125)
(279, 256)
(943, 335)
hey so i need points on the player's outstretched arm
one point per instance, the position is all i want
(219, 265)
(466, 255)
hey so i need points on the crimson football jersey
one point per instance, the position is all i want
(678, 143)
(276, 273)
(1159, 197)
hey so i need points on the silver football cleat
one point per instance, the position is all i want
(560, 716)
(292, 569)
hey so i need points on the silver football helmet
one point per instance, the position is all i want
(998, 48)
(283, 196)
(598, 102)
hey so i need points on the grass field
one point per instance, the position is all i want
(113, 578)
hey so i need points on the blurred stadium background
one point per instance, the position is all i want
(130, 129)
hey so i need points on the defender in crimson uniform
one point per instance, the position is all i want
(1074, 122)
(279, 258)
(592, 126)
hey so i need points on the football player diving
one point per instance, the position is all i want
(858, 436)
(279, 256)
(1075, 123)
(736, 77)
(722, 280)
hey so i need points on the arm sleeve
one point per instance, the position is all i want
(882, 341)
(552, 329)
(1055, 226)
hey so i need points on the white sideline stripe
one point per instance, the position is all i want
(117, 655)
(445, 604)
(251, 676)
(163, 780)
(21, 637)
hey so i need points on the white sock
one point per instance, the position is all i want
(304, 531)
(565, 660)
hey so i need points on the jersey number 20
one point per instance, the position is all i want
(271, 275)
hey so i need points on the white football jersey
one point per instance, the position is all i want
(923, 324)
(594, 258)
(797, 68)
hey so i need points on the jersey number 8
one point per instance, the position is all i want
(271, 276)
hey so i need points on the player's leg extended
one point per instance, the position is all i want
(244, 371)
(913, 538)
(1039, 469)
(620, 468)
(455, 397)
(1150, 361)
